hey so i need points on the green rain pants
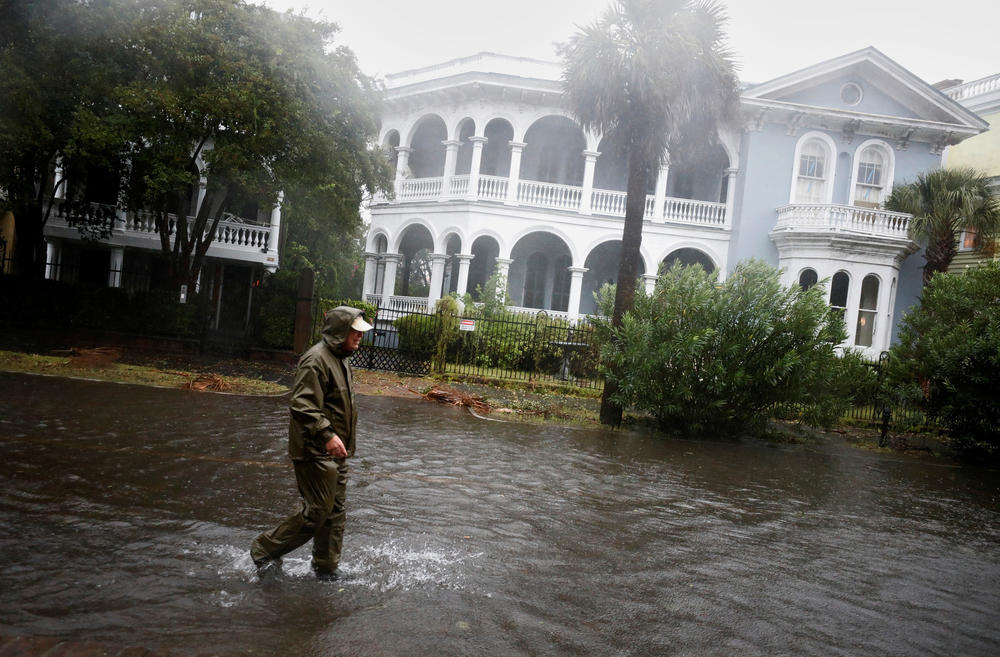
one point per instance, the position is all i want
(323, 486)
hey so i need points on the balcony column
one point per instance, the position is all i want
(271, 251)
(589, 165)
(516, 148)
(115, 267)
(660, 195)
(478, 143)
(730, 194)
(402, 168)
(464, 260)
(371, 271)
(202, 192)
(853, 305)
(53, 255)
(503, 268)
(649, 283)
(58, 180)
(389, 280)
(437, 277)
(575, 290)
(450, 158)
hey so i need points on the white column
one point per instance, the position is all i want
(389, 280)
(464, 259)
(59, 192)
(660, 195)
(478, 143)
(450, 158)
(516, 147)
(589, 165)
(503, 268)
(437, 277)
(53, 254)
(730, 194)
(115, 268)
(853, 304)
(649, 281)
(575, 288)
(202, 192)
(271, 254)
(371, 271)
(402, 167)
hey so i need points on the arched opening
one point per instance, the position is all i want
(496, 152)
(701, 179)
(389, 145)
(539, 273)
(807, 279)
(867, 311)
(453, 245)
(413, 276)
(485, 251)
(463, 163)
(602, 268)
(554, 152)
(872, 175)
(427, 158)
(689, 256)
(611, 168)
(813, 171)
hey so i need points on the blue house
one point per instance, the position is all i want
(494, 175)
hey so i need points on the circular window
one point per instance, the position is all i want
(851, 93)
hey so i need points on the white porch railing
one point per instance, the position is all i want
(549, 195)
(231, 232)
(531, 193)
(521, 310)
(399, 306)
(844, 217)
(974, 88)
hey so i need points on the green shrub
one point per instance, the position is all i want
(948, 356)
(704, 357)
(418, 334)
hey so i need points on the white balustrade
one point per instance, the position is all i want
(415, 189)
(521, 310)
(844, 217)
(493, 188)
(689, 211)
(974, 88)
(549, 195)
(603, 201)
(459, 186)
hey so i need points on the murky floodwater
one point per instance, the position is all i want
(126, 512)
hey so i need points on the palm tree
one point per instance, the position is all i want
(651, 75)
(943, 203)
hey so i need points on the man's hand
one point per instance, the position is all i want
(335, 447)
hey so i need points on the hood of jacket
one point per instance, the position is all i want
(336, 324)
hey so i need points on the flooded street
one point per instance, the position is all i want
(126, 514)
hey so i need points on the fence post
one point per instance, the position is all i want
(303, 310)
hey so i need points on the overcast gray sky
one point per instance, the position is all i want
(955, 39)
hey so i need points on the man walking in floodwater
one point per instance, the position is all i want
(320, 440)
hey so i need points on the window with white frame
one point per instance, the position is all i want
(839, 287)
(807, 279)
(812, 171)
(870, 176)
(867, 310)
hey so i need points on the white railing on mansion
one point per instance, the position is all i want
(399, 306)
(974, 88)
(844, 217)
(532, 193)
(232, 232)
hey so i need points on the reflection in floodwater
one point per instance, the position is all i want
(126, 512)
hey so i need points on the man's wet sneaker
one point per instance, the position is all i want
(327, 575)
(267, 566)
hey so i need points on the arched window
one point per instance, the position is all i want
(813, 171)
(534, 281)
(838, 290)
(872, 175)
(807, 279)
(867, 311)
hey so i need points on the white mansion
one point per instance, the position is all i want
(493, 174)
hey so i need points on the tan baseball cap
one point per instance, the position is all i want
(359, 324)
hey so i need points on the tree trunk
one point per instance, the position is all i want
(941, 250)
(628, 267)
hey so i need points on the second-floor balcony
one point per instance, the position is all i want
(568, 198)
(848, 219)
(235, 237)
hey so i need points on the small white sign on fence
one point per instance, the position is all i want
(467, 325)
